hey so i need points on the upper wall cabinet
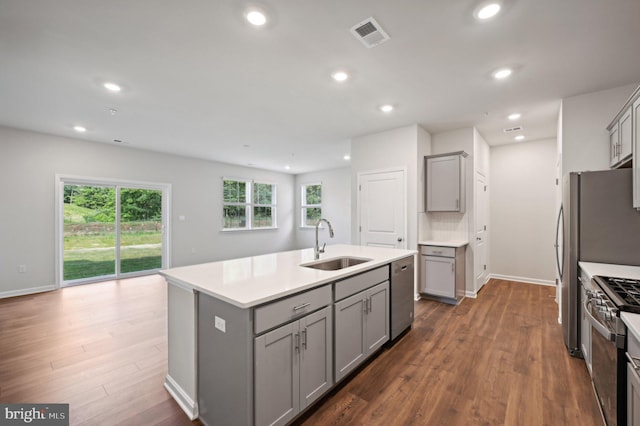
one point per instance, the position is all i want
(620, 144)
(624, 141)
(445, 182)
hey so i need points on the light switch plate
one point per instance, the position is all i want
(220, 324)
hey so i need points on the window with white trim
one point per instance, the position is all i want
(311, 205)
(248, 204)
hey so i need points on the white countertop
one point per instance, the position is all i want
(609, 270)
(251, 281)
(633, 323)
(452, 243)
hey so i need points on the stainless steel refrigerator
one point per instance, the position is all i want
(596, 223)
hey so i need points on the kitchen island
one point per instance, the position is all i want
(223, 317)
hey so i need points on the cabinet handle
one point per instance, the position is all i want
(296, 342)
(453, 267)
(304, 305)
(366, 306)
(304, 338)
(457, 204)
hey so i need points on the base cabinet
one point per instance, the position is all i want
(442, 273)
(293, 367)
(267, 364)
(361, 327)
(633, 396)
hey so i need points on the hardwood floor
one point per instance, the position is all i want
(495, 360)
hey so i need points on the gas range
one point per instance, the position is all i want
(623, 293)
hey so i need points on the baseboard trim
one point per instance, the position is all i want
(523, 280)
(471, 294)
(26, 291)
(184, 401)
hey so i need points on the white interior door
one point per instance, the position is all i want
(381, 201)
(480, 257)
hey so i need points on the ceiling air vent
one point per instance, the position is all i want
(369, 32)
(513, 129)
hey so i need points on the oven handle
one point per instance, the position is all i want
(604, 331)
(634, 361)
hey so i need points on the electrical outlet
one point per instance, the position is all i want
(220, 324)
(22, 269)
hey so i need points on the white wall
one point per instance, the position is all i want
(29, 162)
(585, 139)
(522, 211)
(336, 207)
(393, 149)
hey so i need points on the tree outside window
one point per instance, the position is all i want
(311, 204)
(248, 204)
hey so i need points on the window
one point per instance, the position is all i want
(248, 204)
(311, 204)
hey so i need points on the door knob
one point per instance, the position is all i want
(399, 239)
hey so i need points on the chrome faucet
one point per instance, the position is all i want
(317, 250)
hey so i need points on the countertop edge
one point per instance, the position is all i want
(633, 323)
(332, 276)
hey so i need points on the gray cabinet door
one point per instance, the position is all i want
(443, 184)
(377, 317)
(633, 396)
(277, 378)
(440, 279)
(316, 356)
(350, 348)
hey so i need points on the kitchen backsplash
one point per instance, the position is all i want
(443, 226)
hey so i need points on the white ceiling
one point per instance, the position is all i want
(199, 81)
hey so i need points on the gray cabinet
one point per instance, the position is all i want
(445, 182)
(361, 327)
(442, 273)
(292, 367)
(624, 141)
(620, 138)
(633, 396)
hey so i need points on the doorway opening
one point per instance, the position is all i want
(110, 229)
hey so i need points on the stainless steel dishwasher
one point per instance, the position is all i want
(402, 295)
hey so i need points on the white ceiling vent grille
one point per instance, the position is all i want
(369, 32)
(513, 129)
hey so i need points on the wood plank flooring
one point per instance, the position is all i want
(495, 360)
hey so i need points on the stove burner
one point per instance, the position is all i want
(625, 293)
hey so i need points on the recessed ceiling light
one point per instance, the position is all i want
(80, 129)
(340, 76)
(487, 10)
(514, 116)
(347, 157)
(256, 18)
(386, 108)
(287, 167)
(519, 137)
(112, 87)
(502, 73)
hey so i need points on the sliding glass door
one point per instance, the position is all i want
(110, 230)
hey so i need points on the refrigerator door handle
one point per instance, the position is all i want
(557, 245)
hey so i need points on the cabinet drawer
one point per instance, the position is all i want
(438, 251)
(353, 285)
(278, 312)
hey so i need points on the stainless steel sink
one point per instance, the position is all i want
(336, 263)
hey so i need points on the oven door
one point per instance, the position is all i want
(604, 366)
